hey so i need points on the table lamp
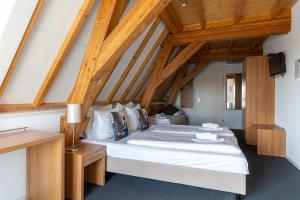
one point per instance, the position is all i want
(73, 117)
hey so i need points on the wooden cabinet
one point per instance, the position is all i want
(87, 164)
(271, 140)
(259, 96)
(45, 162)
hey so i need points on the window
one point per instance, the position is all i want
(234, 91)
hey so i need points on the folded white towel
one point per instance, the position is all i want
(210, 125)
(207, 136)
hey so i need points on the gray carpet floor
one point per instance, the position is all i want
(270, 179)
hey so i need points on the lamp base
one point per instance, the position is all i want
(72, 149)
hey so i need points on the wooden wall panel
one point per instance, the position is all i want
(260, 96)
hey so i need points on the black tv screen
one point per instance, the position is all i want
(277, 64)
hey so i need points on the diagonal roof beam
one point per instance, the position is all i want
(144, 64)
(21, 45)
(171, 20)
(133, 60)
(201, 14)
(72, 34)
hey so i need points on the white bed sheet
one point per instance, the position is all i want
(202, 160)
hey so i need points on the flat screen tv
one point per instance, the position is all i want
(277, 64)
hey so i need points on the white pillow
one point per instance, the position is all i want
(102, 126)
(130, 104)
(88, 130)
(132, 116)
(119, 107)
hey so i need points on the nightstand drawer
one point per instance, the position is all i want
(92, 158)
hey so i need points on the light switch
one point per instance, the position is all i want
(297, 68)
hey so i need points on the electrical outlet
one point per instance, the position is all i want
(297, 68)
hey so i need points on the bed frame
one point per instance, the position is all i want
(223, 181)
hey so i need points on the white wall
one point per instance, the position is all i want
(13, 164)
(210, 87)
(287, 97)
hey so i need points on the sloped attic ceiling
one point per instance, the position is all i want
(43, 44)
(199, 27)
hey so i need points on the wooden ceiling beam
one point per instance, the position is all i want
(160, 63)
(201, 14)
(83, 86)
(234, 32)
(141, 84)
(55, 67)
(21, 46)
(171, 20)
(178, 61)
(192, 74)
(277, 8)
(226, 56)
(230, 45)
(174, 88)
(133, 60)
(238, 10)
(154, 48)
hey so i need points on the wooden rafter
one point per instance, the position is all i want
(116, 17)
(160, 63)
(238, 10)
(239, 31)
(102, 54)
(72, 34)
(192, 74)
(141, 84)
(21, 45)
(98, 35)
(201, 14)
(133, 60)
(178, 61)
(173, 90)
(144, 64)
(230, 45)
(170, 19)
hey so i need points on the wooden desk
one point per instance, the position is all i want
(87, 164)
(45, 161)
(271, 140)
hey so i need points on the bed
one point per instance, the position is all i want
(208, 168)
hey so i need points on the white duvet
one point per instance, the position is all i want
(210, 155)
(188, 142)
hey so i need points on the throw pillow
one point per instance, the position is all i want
(143, 120)
(119, 125)
(170, 109)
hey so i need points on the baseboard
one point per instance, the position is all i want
(22, 198)
(293, 162)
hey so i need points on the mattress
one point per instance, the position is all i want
(222, 162)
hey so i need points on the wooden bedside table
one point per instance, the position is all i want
(87, 164)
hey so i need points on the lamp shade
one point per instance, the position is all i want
(73, 113)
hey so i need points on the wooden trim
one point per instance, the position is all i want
(144, 64)
(234, 32)
(133, 60)
(201, 14)
(21, 45)
(72, 34)
(29, 106)
(238, 10)
(178, 61)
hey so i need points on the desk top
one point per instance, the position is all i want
(23, 139)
